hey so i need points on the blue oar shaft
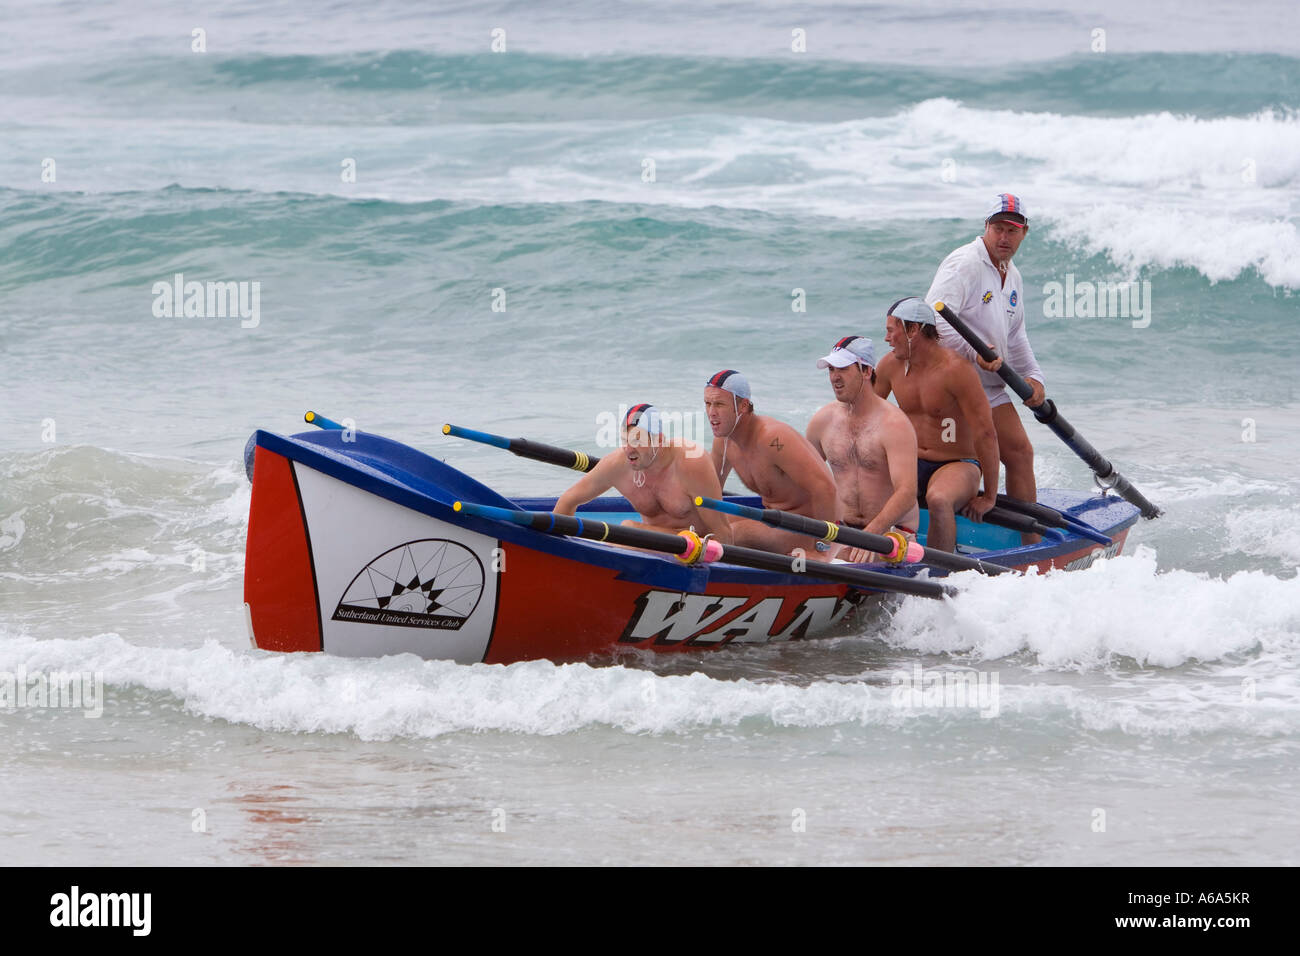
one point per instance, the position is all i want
(320, 421)
(525, 448)
(483, 437)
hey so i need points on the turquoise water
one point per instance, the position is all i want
(1161, 686)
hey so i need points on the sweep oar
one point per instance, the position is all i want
(689, 548)
(524, 448)
(1048, 414)
(897, 550)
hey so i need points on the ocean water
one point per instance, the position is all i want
(385, 178)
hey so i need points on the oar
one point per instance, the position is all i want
(888, 546)
(690, 548)
(581, 461)
(564, 457)
(320, 421)
(1019, 522)
(1047, 413)
(1053, 518)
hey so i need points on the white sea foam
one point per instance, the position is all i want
(1115, 610)
(1202, 487)
(1270, 532)
(406, 697)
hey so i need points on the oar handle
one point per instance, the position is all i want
(320, 421)
(880, 544)
(525, 448)
(688, 547)
(1049, 415)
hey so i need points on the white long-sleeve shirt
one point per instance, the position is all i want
(969, 283)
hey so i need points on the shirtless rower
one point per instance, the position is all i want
(659, 477)
(773, 460)
(940, 393)
(869, 444)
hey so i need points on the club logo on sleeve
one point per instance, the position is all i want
(987, 298)
(1013, 297)
(433, 583)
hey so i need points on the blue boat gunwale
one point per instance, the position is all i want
(415, 480)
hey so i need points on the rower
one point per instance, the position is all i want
(772, 459)
(941, 395)
(869, 444)
(660, 477)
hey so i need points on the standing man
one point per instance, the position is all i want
(772, 459)
(979, 282)
(941, 396)
(869, 444)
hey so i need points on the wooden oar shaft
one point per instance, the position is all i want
(1048, 414)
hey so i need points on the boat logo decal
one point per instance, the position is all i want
(433, 583)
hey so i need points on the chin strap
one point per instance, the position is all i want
(726, 439)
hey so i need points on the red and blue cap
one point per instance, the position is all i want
(729, 380)
(1006, 207)
(644, 416)
(850, 350)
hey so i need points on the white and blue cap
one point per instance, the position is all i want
(644, 416)
(847, 351)
(729, 380)
(912, 309)
(1006, 207)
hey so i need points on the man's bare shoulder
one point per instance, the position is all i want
(958, 372)
(825, 415)
(772, 433)
(894, 417)
(896, 426)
